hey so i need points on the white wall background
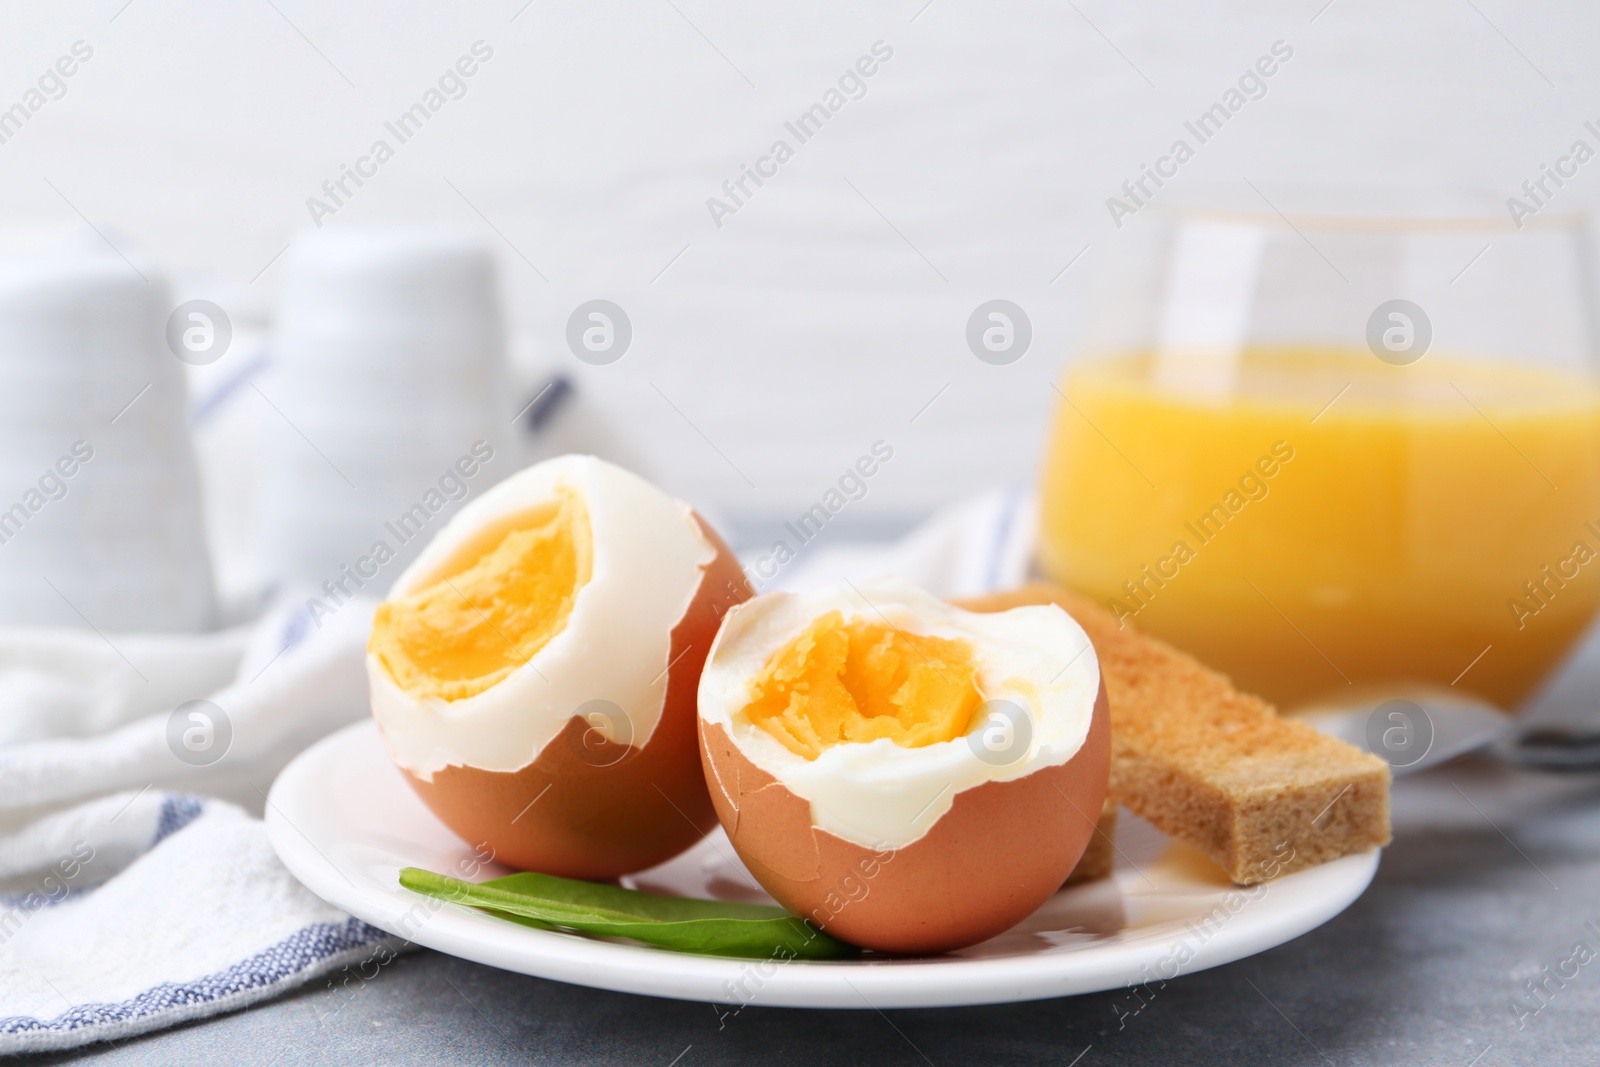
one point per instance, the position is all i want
(806, 327)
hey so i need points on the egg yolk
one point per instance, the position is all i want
(507, 592)
(842, 682)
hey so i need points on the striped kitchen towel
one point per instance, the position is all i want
(136, 889)
(201, 919)
(133, 895)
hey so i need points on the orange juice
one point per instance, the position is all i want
(1327, 525)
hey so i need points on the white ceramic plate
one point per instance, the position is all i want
(345, 822)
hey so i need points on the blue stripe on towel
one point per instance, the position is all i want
(1002, 537)
(295, 628)
(272, 966)
(177, 811)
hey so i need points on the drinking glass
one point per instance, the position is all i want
(1344, 455)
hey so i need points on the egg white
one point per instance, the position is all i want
(648, 559)
(880, 794)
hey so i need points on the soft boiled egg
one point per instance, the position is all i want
(906, 775)
(533, 673)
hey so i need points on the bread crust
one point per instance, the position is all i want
(1260, 794)
(1099, 856)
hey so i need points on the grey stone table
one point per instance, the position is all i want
(1492, 876)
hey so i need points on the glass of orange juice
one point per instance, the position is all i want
(1341, 456)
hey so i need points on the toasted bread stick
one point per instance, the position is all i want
(1100, 856)
(1260, 794)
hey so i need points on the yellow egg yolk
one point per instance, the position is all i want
(842, 682)
(506, 593)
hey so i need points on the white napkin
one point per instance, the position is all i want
(974, 546)
(144, 894)
(136, 896)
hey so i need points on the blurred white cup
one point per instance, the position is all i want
(100, 517)
(387, 371)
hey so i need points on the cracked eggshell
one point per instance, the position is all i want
(994, 857)
(999, 853)
(585, 805)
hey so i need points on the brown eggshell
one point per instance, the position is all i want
(590, 808)
(989, 862)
